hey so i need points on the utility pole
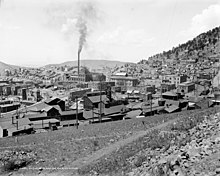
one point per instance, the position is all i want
(76, 112)
(100, 107)
(151, 105)
(92, 113)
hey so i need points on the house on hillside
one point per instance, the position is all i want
(167, 87)
(9, 107)
(124, 81)
(173, 79)
(186, 87)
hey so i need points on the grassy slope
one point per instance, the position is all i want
(63, 147)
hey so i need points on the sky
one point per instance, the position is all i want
(40, 32)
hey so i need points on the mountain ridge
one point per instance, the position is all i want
(91, 64)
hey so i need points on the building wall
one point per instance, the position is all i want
(150, 89)
(187, 88)
(87, 103)
(167, 87)
(174, 79)
(1, 132)
(79, 93)
(97, 85)
(124, 83)
(217, 96)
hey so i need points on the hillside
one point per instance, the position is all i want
(103, 149)
(4, 66)
(205, 45)
(91, 64)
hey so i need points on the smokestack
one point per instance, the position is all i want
(12, 119)
(78, 63)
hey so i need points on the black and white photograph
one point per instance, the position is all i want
(109, 87)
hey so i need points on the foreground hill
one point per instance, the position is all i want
(97, 149)
(91, 64)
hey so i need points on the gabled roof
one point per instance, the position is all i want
(70, 112)
(170, 94)
(89, 115)
(195, 99)
(114, 109)
(133, 114)
(172, 102)
(157, 108)
(36, 116)
(171, 108)
(45, 121)
(121, 74)
(48, 108)
(204, 103)
(22, 122)
(37, 106)
(50, 100)
(96, 99)
(57, 107)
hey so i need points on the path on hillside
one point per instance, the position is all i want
(108, 150)
(57, 142)
(71, 170)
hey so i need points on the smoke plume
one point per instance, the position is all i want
(82, 28)
(1, 2)
(87, 14)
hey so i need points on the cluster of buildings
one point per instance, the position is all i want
(51, 99)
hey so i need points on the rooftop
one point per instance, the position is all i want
(186, 84)
(169, 94)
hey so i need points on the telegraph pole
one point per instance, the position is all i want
(100, 107)
(151, 105)
(76, 112)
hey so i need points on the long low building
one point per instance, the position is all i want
(9, 107)
(12, 127)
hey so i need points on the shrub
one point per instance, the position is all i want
(139, 160)
(13, 160)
